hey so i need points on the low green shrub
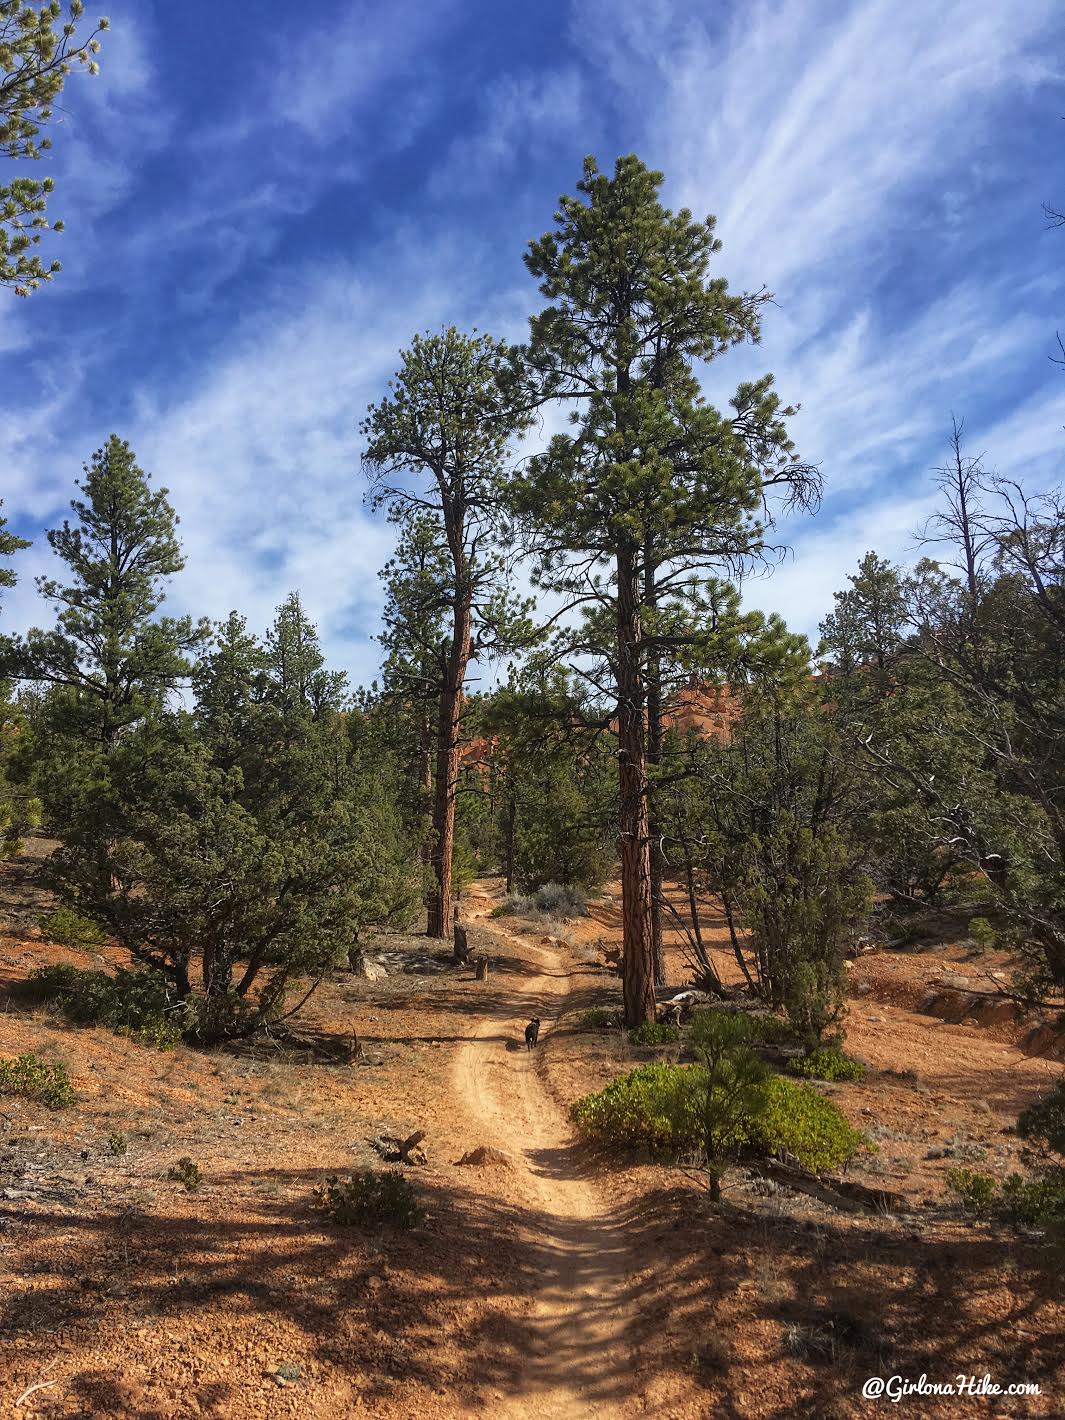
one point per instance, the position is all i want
(1035, 1200)
(598, 1018)
(661, 1108)
(35, 1079)
(370, 1199)
(798, 1120)
(561, 900)
(70, 929)
(1043, 1123)
(135, 1003)
(760, 1027)
(828, 1063)
(654, 1107)
(652, 1034)
(117, 1143)
(207, 1020)
(186, 1172)
(550, 900)
(983, 934)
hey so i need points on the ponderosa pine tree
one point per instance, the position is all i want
(454, 408)
(417, 651)
(866, 629)
(298, 663)
(36, 58)
(110, 656)
(656, 494)
(230, 687)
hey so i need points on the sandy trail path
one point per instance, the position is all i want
(578, 1367)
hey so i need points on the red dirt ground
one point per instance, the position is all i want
(550, 1283)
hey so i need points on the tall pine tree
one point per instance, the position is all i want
(454, 408)
(649, 509)
(110, 653)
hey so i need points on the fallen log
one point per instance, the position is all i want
(840, 1193)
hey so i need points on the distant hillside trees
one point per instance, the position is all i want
(963, 725)
(547, 774)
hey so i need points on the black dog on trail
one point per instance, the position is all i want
(532, 1030)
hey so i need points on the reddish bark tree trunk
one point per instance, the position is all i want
(512, 838)
(654, 759)
(425, 792)
(638, 983)
(425, 802)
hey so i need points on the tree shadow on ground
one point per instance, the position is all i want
(840, 1300)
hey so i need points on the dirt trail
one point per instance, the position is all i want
(578, 1364)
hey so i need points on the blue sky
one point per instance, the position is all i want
(260, 214)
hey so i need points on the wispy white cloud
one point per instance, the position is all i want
(825, 553)
(804, 123)
(873, 397)
(340, 63)
(521, 117)
(849, 150)
(261, 450)
(107, 125)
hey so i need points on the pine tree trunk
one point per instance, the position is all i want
(425, 762)
(512, 838)
(425, 801)
(637, 951)
(447, 769)
(654, 759)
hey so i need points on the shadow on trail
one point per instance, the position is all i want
(375, 1305)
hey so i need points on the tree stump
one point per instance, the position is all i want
(400, 1151)
(462, 950)
(482, 969)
